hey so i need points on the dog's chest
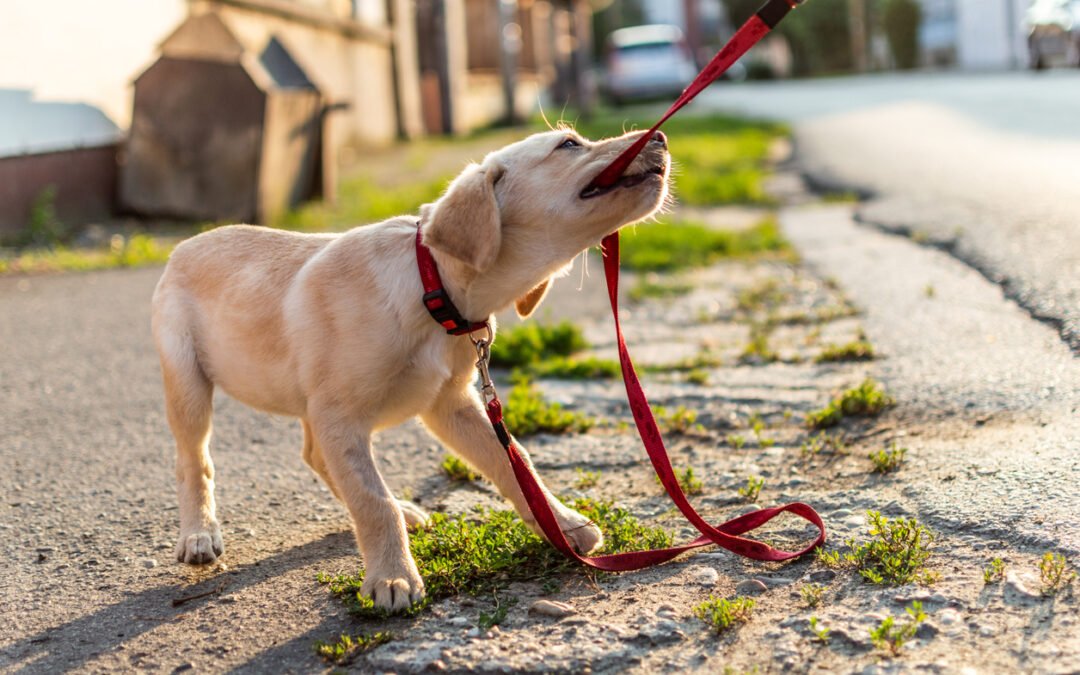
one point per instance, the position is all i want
(424, 373)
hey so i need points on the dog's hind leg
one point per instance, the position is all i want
(414, 515)
(458, 419)
(189, 406)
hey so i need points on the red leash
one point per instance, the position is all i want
(725, 535)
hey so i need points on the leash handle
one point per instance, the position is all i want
(751, 32)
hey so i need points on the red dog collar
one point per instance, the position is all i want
(436, 300)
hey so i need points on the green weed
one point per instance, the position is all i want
(994, 572)
(762, 297)
(681, 420)
(530, 343)
(812, 594)
(821, 633)
(897, 553)
(823, 443)
(586, 479)
(347, 648)
(698, 376)
(457, 470)
(752, 490)
(856, 350)
(722, 614)
(690, 484)
(1055, 573)
(757, 349)
(484, 552)
(866, 400)
(892, 637)
(527, 412)
(888, 460)
(736, 441)
(669, 246)
(488, 620)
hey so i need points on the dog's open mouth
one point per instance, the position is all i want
(626, 181)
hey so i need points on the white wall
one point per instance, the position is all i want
(989, 35)
(84, 51)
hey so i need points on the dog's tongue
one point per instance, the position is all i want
(757, 27)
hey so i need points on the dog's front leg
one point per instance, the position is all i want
(458, 419)
(390, 575)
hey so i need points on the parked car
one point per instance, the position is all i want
(1054, 36)
(645, 62)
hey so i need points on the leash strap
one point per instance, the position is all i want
(725, 535)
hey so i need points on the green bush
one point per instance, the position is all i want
(531, 343)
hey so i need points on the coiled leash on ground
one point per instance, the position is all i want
(725, 535)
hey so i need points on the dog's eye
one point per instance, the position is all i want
(569, 143)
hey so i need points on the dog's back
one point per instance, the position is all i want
(240, 272)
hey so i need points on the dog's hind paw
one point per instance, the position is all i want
(200, 547)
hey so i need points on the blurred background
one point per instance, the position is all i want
(226, 110)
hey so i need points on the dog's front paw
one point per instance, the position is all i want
(583, 534)
(414, 515)
(394, 590)
(200, 546)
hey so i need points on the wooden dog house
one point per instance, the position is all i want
(222, 132)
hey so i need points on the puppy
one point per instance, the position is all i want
(331, 329)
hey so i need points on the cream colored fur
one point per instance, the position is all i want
(330, 329)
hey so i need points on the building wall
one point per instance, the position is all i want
(84, 181)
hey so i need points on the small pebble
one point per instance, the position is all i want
(750, 587)
(552, 608)
(148, 563)
(703, 576)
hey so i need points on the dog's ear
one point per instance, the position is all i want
(465, 222)
(527, 304)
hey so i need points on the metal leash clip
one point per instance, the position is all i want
(483, 360)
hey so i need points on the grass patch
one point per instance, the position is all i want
(346, 648)
(698, 376)
(866, 400)
(485, 552)
(137, 250)
(527, 412)
(722, 614)
(856, 350)
(570, 368)
(1054, 573)
(457, 470)
(763, 296)
(720, 159)
(888, 460)
(529, 343)
(361, 201)
(669, 246)
(652, 286)
(896, 554)
(891, 637)
(752, 490)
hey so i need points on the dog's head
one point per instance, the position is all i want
(528, 209)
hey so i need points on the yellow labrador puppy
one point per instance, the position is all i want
(331, 329)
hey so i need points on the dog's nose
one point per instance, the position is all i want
(659, 138)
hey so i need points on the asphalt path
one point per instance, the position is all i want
(985, 166)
